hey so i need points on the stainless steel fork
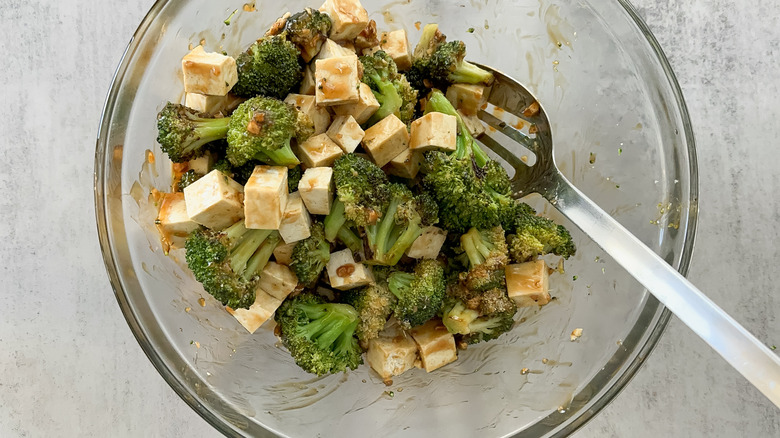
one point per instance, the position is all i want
(725, 335)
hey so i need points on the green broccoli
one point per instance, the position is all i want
(261, 129)
(239, 174)
(310, 256)
(270, 68)
(400, 224)
(308, 30)
(487, 254)
(294, 176)
(467, 147)
(186, 179)
(536, 235)
(362, 187)
(227, 263)
(443, 63)
(390, 88)
(419, 294)
(183, 132)
(319, 335)
(338, 227)
(374, 305)
(482, 318)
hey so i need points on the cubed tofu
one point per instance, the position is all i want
(435, 344)
(345, 273)
(316, 188)
(173, 221)
(202, 164)
(337, 80)
(473, 124)
(258, 313)
(308, 105)
(392, 353)
(349, 46)
(434, 131)
(406, 164)
(318, 151)
(361, 111)
(468, 98)
(332, 49)
(528, 284)
(386, 140)
(277, 280)
(296, 222)
(205, 103)
(346, 132)
(208, 73)
(215, 201)
(265, 197)
(349, 18)
(428, 245)
(309, 84)
(283, 253)
(396, 44)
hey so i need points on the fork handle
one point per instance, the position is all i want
(742, 350)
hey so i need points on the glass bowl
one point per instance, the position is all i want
(622, 135)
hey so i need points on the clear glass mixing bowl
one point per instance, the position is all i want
(621, 133)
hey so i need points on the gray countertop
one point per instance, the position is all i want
(71, 367)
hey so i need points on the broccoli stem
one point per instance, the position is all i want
(283, 156)
(475, 247)
(469, 73)
(404, 241)
(235, 231)
(383, 233)
(261, 257)
(329, 323)
(466, 145)
(399, 281)
(387, 96)
(334, 221)
(243, 251)
(349, 238)
(206, 131)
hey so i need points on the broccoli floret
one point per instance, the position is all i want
(308, 30)
(477, 325)
(419, 294)
(227, 263)
(362, 187)
(183, 132)
(239, 174)
(443, 62)
(261, 129)
(319, 335)
(487, 255)
(535, 236)
(187, 178)
(337, 227)
(374, 305)
(400, 224)
(310, 256)
(390, 88)
(270, 68)
(294, 176)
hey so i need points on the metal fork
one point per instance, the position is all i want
(742, 350)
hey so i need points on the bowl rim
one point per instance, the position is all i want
(661, 314)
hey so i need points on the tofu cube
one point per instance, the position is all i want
(406, 164)
(332, 49)
(205, 103)
(348, 46)
(318, 151)
(349, 18)
(277, 280)
(392, 353)
(468, 98)
(528, 284)
(214, 201)
(361, 111)
(258, 313)
(345, 273)
(346, 132)
(316, 188)
(435, 344)
(337, 80)
(308, 105)
(202, 164)
(396, 44)
(296, 222)
(386, 140)
(434, 131)
(428, 245)
(265, 197)
(208, 73)
(473, 124)
(308, 85)
(173, 221)
(283, 253)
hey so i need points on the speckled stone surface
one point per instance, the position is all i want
(71, 367)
